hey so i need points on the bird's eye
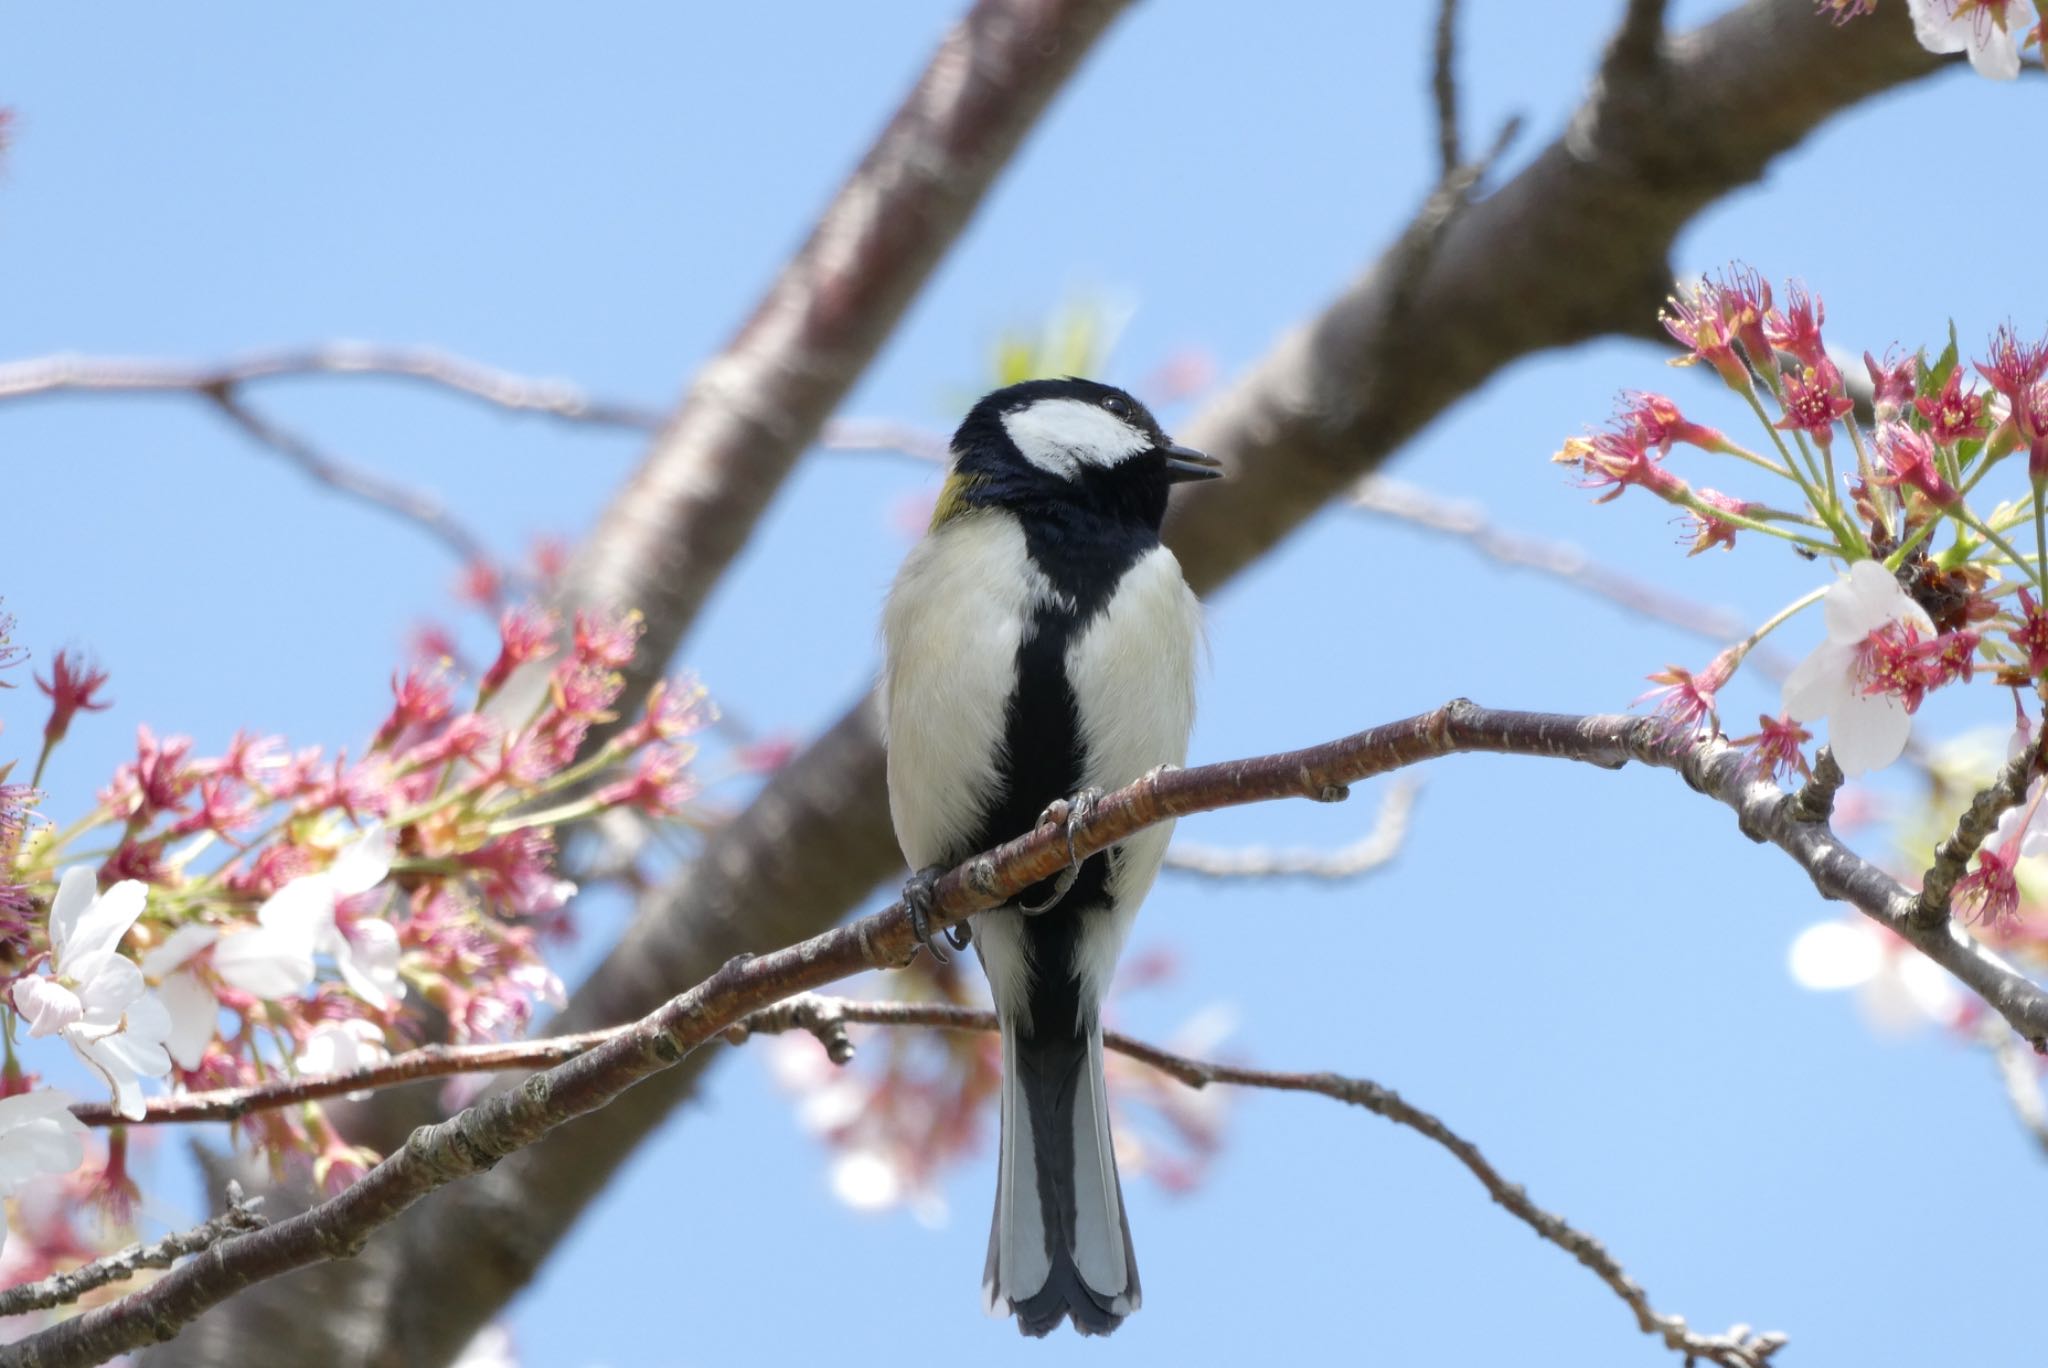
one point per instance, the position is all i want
(1118, 405)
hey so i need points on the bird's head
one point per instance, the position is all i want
(1067, 446)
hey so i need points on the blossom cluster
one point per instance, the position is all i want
(1994, 33)
(1932, 510)
(218, 921)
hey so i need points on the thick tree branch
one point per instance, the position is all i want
(62, 1289)
(481, 1136)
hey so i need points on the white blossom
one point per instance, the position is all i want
(195, 1015)
(1898, 988)
(1866, 730)
(342, 1046)
(1986, 29)
(275, 959)
(94, 997)
(39, 1137)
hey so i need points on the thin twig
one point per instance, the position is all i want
(505, 389)
(371, 490)
(1973, 828)
(478, 1138)
(1403, 502)
(61, 1289)
(1443, 86)
(1737, 1348)
(1368, 853)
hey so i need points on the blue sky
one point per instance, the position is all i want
(1582, 971)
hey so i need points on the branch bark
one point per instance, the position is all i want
(476, 1140)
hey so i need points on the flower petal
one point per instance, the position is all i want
(195, 1017)
(363, 863)
(1868, 732)
(266, 962)
(1937, 26)
(1835, 954)
(304, 907)
(368, 960)
(178, 947)
(1817, 683)
(99, 929)
(47, 1004)
(1994, 53)
(75, 892)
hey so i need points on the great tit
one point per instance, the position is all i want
(1041, 646)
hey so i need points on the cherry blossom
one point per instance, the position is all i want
(1898, 988)
(1845, 679)
(39, 1138)
(95, 997)
(195, 1014)
(275, 958)
(1986, 29)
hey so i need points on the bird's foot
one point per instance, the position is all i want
(918, 893)
(1069, 813)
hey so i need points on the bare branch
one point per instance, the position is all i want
(1385, 497)
(476, 1140)
(427, 365)
(1737, 1348)
(1369, 852)
(1443, 87)
(374, 491)
(61, 1289)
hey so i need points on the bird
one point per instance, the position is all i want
(1040, 648)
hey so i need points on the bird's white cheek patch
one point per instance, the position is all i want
(1062, 435)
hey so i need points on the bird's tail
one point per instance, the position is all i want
(1061, 1245)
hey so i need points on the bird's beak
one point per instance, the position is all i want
(1186, 463)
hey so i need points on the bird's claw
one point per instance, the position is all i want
(1070, 813)
(918, 893)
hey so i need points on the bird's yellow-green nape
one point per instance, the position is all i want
(953, 498)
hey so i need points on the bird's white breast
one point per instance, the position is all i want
(959, 610)
(1132, 670)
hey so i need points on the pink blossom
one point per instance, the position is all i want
(1891, 384)
(1814, 400)
(1952, 415)
(1909, 460)
(1795, 329)
(1776, 749)
(72, 689)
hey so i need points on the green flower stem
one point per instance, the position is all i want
(1847, 541)
(1984, 529)
(1700, 506)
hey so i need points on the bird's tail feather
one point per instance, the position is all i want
(1061, 1245)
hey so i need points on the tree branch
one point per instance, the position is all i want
(1369, 852)
(476, 1140)
(47, 375)
(1443, 87)
(1737, 1348)
(61, 1289)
